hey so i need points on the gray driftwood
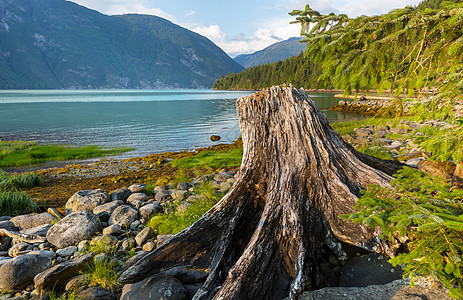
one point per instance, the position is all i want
(28, 238)
(263, 239)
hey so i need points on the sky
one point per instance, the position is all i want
(241, 26)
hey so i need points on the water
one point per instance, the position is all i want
(151, 121)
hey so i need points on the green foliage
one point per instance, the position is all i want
(376, 151)
(433, 4)
(69, 296)
(17, 153)
(177, 221)
(443, 143)
(430, 214)
(104, 273)
(15, 203)
(403, 50)
(13, 182)
(211, 159)
(296, 70)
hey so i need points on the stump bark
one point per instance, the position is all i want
(264, 238)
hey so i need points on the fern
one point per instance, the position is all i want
(430, 214)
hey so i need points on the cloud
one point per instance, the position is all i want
(272, 31)
(119, 7)
(353, 8)
(190, 13)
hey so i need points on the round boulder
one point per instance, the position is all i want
(124, 215)
(86, 200)
(155, 287)
(73, 228)
(19, 272)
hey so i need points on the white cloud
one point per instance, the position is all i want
(119, 7)
(352, 8)
(272, 31)
(190, 13)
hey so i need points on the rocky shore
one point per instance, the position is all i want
(54, 252)
(49, 252)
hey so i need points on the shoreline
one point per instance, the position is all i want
(64, 179)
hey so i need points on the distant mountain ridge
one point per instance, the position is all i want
(58, 44)
(273, 53)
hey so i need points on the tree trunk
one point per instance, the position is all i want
(264, 238)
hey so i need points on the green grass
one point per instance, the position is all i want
(19, 153)
(177, 221)
(211, 159)
(69, 296)
(376, 151)
(13, 182)
(15, 203)
(103, 273)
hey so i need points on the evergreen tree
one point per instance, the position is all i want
(401, 51)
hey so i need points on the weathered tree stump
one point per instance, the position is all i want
(264, 238)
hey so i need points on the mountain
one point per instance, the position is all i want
(273, 53)
(57, 44)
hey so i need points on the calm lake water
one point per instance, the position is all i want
(151, 121)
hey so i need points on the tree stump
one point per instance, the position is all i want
(264, 238)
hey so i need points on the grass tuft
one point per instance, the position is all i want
(211, 159)
(16, 203)
(177, 221)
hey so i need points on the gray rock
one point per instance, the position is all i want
(186, 275)
(162, 196)
(105, 239)
(144, 235)
(138, 196)
(8, 225)
(222, 176)
(103, 217)
(18, 249)
(180, 195)
(137, 188)
(413, 162)
(30, 221)
(75, 283)
(367, 270)
(161, 239)
(86, 200)
(155, 287)
(67, 252)
(129, 243)
(363, 132)
(73, 228)
(396, 290)
(39, 230)
(56, 277)
(134, 259)
(114, 230)
(183, 186)
(136, 203)
(5, 243)
(108, 207)
(120, 194)
(123, 215)
(151, 209)
(19, 272)
(135, 224)
(149, 246)
(4, 260)
(182, 207)
(96, 293)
